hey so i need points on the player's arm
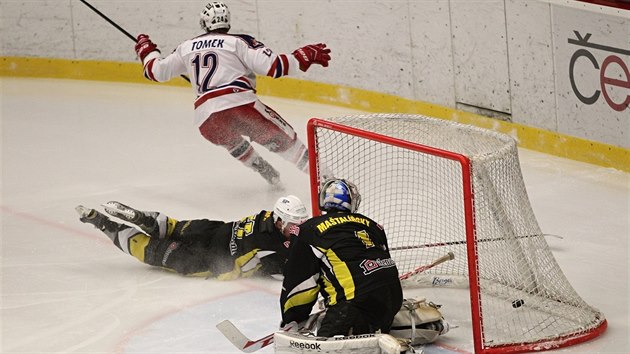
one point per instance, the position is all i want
(301, 58)
(300, 285)
(271, 264)
(157, 68)
(263, 61)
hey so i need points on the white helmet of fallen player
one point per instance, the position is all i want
(214, 16)
(339, 194)
(289, 210)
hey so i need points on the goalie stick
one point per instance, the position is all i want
(239, 340)
(246, 345)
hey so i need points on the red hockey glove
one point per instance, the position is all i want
(144, 46)
(312, 53)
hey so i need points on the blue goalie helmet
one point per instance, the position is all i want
(339, 194)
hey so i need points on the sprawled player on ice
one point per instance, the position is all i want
(255, 245)
(222, 68)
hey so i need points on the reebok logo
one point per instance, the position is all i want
(367, 335)
(308, 346)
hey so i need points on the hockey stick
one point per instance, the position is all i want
(444, 258)
(463, 242)
(239, 340)
(246, 345)
(117, 26)
(109, 20)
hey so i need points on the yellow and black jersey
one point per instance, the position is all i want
(257, 246)
(225, 250)
(342, 256)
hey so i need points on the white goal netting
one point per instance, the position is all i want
(439, 186)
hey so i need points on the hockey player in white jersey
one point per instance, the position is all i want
(222, 69)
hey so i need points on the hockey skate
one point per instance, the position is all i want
(100, 221)
(145, 220)
(267, 172)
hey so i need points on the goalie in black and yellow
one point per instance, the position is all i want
(255, 245)
(344, 256)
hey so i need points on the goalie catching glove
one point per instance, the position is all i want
(419, 321)
(312, 53)
(144, 46)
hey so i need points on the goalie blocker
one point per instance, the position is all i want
(418, 322)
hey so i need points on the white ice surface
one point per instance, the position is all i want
(66, 289)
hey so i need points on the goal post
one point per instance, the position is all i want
(439, 186)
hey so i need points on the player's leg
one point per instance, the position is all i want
(153, 223)
(188, 252)
(368, 314)
(177, 255)
(126, 238)
(193, 247)
(225, 129)
(340, 319)
(389, 299)
(278, 136)
(244, 152)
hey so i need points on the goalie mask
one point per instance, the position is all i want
(289, 210)
(214, 16)
(339, 194)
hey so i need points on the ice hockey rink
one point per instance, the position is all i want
(67, 289)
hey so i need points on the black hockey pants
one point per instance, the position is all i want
(360, 316)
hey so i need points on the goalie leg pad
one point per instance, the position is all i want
(419, 321)
(373, 343)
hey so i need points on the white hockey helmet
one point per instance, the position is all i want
(339, 194)
(289, 209)
(214, 16)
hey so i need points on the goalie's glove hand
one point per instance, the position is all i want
(144, 46)
(312, 53)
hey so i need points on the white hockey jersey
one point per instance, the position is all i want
(222, 69)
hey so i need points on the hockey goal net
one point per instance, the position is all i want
(438, 186)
